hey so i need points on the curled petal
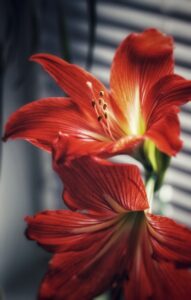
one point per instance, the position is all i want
(161, 112)
(67, 147)
(170, 91)
(100, 185)
(165, 133)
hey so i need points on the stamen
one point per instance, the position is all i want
(104, 106)
(102, 116)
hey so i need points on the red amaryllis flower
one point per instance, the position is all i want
(142, 104)
(111, 242)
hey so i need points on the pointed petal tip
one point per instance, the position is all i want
(36, 57)
(31, 57)
(7, 134)
(40, 56)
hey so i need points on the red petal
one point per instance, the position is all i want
(171, 90)
(101, 185)
(62, 230)
(170, 241)
(73, 274)
(72, 79)
(40, 122)
(154, 278)
(165, 133)
(158, 281)
(140, 61)
(89, 262)
(66, 147)
(161, 109)
(95, 253)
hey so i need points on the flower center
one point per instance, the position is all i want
(114, 128)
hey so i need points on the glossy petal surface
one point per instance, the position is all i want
(100, 185)
(165, 133)
(170, 241)
(40, 122)
(139, 62)
(161, 112)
